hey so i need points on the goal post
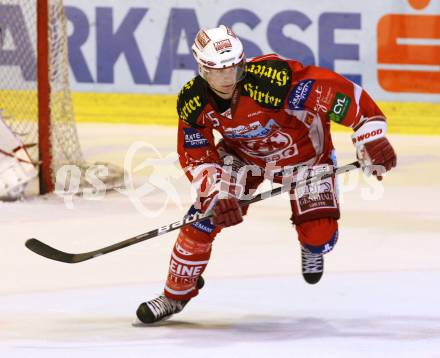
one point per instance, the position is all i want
(46, 182)
(35, 96)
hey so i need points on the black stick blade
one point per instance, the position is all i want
(49, 252)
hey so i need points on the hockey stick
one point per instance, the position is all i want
(49, 252)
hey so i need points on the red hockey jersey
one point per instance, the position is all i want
(280, 115)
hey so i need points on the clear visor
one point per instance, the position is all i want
(231, 74)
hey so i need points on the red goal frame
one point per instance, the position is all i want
(46, 182)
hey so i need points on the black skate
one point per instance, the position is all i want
(312, 266)
(161, 308)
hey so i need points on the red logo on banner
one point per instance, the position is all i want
(409, 40)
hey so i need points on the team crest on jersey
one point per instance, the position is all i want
(267, 82)
(268, 143)
(194, 139)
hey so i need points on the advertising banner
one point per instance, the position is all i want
(143, 47)
(390, 47)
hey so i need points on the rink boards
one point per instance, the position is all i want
(128, 60)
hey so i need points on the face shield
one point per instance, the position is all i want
(223, 76)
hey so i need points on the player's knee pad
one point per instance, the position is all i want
(318, 236)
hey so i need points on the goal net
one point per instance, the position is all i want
(35, 97)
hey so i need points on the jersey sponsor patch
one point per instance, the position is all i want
(320, 195)
(194, 139)
(298, 96)
(251, 130)
(339, 108)
(191, 101)
(267, 82)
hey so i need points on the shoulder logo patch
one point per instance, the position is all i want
(191, 101)
(267, 82)
(298, 96)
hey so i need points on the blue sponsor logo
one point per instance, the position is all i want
(299, 95)
(194, 139)
(204, 225)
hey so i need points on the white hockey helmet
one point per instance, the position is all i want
(218, 48)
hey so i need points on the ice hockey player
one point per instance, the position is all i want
(273, 114)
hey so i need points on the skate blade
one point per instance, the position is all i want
(138, 323)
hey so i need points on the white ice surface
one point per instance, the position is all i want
(379, 297)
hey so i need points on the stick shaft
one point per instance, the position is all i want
(54, 254)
